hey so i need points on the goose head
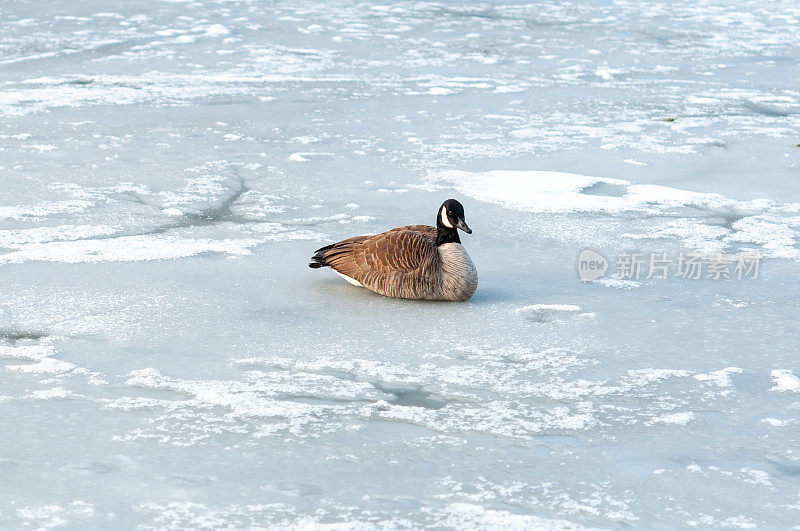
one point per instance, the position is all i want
(449, 219)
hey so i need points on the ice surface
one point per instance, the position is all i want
(167, 360)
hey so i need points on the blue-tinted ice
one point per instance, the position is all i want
(167, 360)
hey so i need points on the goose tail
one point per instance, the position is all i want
(318, 260)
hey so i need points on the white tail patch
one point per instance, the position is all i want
(350, 280)
(443, 216)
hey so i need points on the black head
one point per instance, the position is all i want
(450, 218)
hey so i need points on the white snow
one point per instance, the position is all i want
(41, 210)
(681, 419)
(720, 378)
(125, 249)
(784, 381)
(775, 422)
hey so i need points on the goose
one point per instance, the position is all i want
(412, 262)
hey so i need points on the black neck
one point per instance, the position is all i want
(446, 235)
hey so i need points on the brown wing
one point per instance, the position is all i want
(384, 259)
(425, 230)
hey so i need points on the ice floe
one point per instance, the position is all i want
(784, 381)
(126, 249)
(771, 228)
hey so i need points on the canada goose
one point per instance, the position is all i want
(412, 262)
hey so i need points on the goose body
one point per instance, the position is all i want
(411, 262)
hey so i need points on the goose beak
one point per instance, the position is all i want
(463, 226)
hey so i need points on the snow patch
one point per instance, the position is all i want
(126, 249)
(785, 381)
(680, 419)
(720, 378)
(773, 227)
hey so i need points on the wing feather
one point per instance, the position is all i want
(384, 262)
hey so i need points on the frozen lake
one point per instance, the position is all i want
(168, 360)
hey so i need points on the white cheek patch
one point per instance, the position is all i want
(445, 221)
